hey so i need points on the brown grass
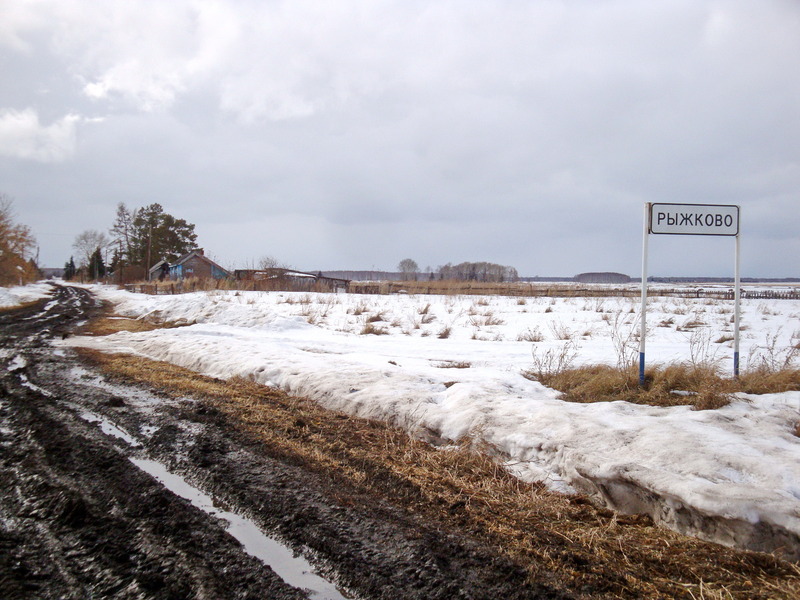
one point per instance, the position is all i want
(371, 329)
(764, 381)
(574, 546)
(700, 386)
(672, 385)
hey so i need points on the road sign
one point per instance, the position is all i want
(693, 219)
(690, 219)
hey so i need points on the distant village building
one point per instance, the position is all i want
(602, 278)
(192, 264)
(291, 280)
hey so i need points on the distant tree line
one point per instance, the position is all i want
(137, 239)
(478, 271)
(465, 271)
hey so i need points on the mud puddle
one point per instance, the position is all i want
(293, 569)
(109, 428)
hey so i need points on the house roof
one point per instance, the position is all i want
(198, 254)
(157, 266)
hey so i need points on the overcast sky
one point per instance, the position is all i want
(352, 134)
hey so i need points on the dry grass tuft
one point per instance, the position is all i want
(371, 329)
(453, 364)
(580, 550)
(360, 309)
(672, 385)
(764, 381)
(428, 318)
(531, 335)
(700, 386)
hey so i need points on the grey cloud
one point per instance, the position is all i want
(352, 135)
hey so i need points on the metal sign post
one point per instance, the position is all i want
(690, 219)
(643, 330)
(736, 311)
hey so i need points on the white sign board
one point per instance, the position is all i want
(694, 219)
(690, 219)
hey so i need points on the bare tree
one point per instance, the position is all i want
(409, 268)
(87, 243)
(270, 262)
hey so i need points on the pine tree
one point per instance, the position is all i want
(156, 235)
(97, 269)
(69, 269)
(122, 233)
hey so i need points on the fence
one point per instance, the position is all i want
(186, 286)
(466, 288)
(560, 291)
(167, 289)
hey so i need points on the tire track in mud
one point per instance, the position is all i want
(78, 518)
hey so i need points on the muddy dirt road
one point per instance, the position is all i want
(87, 466)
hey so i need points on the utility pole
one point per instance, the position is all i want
(149, 244)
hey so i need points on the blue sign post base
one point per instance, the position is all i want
(641, 369)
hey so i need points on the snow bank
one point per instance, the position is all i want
(14, 296)
(450, 367)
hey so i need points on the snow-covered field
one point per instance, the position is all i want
(447, 367)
